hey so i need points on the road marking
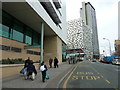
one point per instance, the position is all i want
(107, 81)
(101, 76)
(86, 77)
(75, 77)
(82, 77)
(91, 77)
(65, 83)
(85, 73)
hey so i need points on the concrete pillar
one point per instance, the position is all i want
(42, 37)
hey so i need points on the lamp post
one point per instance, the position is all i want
(109, 44)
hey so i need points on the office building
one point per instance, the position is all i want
(33, 29)
(117, 47)
(74, 34)
(79, 37)
(88, 15)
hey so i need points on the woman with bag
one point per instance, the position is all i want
(31, 71)
(43, 70)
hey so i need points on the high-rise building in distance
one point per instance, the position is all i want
(88, 15)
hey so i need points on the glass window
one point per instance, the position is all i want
(0, 29)
(6, 22)
(39, 39)
(5, 31)
(36, 38)
(63, 52)
(28, 36)
(17, 31)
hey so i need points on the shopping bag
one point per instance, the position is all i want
(47, 75)
(42, 68)
(22, 71)
(33, 76)
(25, 71)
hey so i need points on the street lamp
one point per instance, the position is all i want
(109, 44)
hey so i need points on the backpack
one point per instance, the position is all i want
(42, 68)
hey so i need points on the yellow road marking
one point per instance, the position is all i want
(82, 77)
(65, 83)
(101, 76)
(107, 81)
(75, 77)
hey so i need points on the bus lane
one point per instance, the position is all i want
(85, 76)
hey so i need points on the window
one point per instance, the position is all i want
(5, 31)
(28, 36)
(63, 52)
(6, 23)
(3, 47)
(33, 52)
(36, 53)
(15, 49)
(0, 29)
(29, 52)
(17, 31)
(36, 38)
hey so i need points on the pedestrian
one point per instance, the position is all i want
(43, 69)
(27, 62)
(24, 70)
(50, 62)
(55, 62)
(69, 60)
(73, 60)
(30, 70)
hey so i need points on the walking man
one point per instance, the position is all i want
(50, 62)
(55, 62)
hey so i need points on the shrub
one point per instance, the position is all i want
(12, 61)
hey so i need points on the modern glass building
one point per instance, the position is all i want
(34, 29)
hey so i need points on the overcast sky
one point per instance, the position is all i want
(107, 19)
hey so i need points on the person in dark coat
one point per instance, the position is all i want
(31, 69)
(43, 71)
(50, 62)
(27, 62)
(55, 62)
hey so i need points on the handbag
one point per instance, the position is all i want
(47, 76)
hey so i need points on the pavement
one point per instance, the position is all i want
(56, 76)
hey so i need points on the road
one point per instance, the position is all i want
(92, 75)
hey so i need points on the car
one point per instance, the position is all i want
(116, 61)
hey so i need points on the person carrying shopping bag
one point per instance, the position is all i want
(31, 71)
(43, 69)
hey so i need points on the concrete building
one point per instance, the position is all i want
(117, 47)
(34, 29)
(74, 34)
(79, 36)
(88, 15)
